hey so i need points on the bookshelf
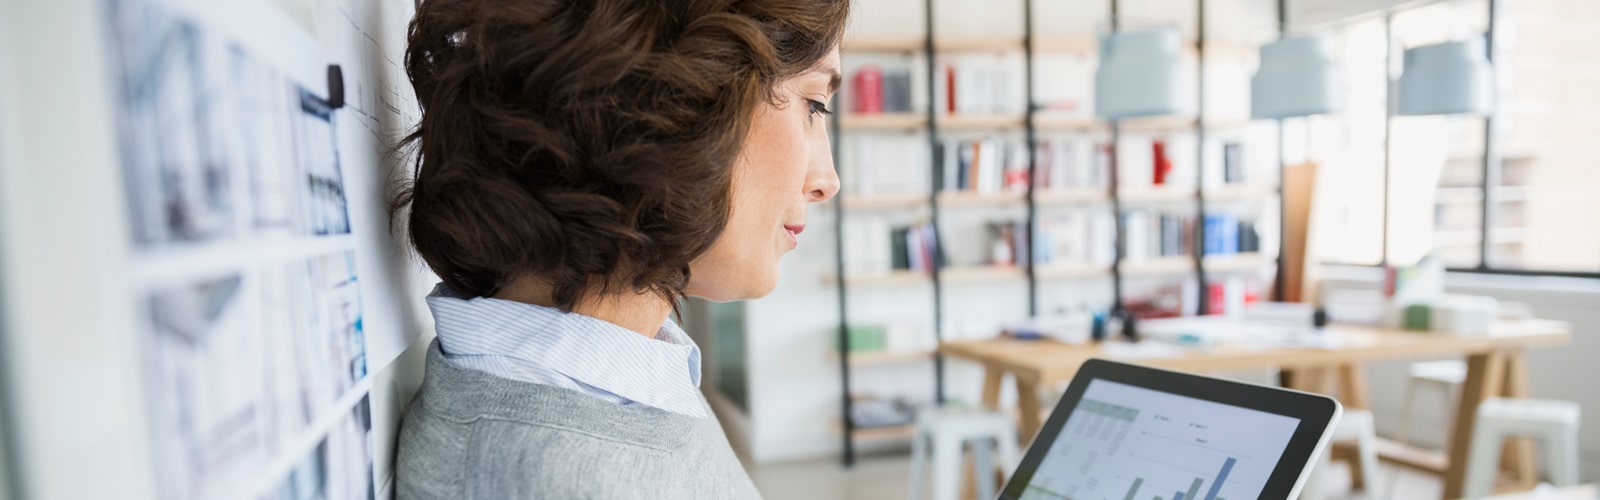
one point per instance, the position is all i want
(882, 358)
(1048, 195)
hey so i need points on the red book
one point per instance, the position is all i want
(1216, 296)
(950, 89)
(868, 84)
(1017, 179)
(1163, 165)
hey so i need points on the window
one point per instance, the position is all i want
(1541, 196)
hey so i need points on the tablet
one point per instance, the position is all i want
(1130, 432)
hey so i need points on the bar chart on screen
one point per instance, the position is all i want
(1123, 443)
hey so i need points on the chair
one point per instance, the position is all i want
(1553, 423)
(1445, 376)
(1358, 426)
(946, 431)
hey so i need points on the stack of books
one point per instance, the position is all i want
(1227, 234)
(874, 246)
(1008, 243)
(984, 84)
(1152, 234)
(987, 166)
(877, 90)
(884, 164)
(1070, 164)
(1079, 237)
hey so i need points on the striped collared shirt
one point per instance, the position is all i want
(544, 345)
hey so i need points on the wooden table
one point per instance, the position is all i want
(1496, 366)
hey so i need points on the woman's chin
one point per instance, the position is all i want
(736, 286)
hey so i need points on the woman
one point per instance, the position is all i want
(581, 167)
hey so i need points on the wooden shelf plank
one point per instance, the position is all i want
(1064, 45)
(954, 274)
(1157, 124)
(1082, 45)
(1070, 271)
(1238, 192)
(884, 201)
(883, 44)
(858, 359)
(1237, 262)
(916, 121)
(1070, 196)
(980, 274)
(883, 121)
(979, 122)
(966, 199)
(1158, 266)
(899, 121)
(1066, 121)
(891, 278)
(1157, 195)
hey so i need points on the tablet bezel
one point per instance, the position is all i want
(1316, 413)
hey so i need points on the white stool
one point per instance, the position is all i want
(1442, 375)
(1553, 423)
(1358, 426)
(946, 430)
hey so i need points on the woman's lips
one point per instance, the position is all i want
(794, 233)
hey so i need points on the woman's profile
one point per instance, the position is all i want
(581, 167)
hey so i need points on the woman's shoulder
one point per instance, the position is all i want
(492, 456)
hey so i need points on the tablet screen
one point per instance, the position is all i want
(1127, 442)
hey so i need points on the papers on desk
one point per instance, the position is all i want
(1141, 350)
(1207, 331)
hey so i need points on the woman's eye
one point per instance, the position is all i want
(818, 108)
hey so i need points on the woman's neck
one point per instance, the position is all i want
(643, 313)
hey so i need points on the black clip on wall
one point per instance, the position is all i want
(335, 87)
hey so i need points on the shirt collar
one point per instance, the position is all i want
(662, 373)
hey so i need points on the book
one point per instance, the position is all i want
(1160, 165)
(896, 94)
(1233, 167)
(867, 84)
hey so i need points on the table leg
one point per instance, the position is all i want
(1353, 386)
(991, 386)
(1485, 376)
(1353, 395)
(1028, 404)
(1517, 455)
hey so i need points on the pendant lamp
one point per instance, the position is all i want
(1446, 79)
(1296, 78)
(1139, 74)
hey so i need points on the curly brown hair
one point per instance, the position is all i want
(589, 143)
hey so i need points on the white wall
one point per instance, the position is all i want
(70, 361)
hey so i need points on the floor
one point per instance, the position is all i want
(887, 477)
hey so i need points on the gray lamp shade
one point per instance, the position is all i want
(1446, 79)
(1138, 74)
(1296, 78)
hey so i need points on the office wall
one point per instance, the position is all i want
(75, 315)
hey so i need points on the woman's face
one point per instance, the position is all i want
(785, 165)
